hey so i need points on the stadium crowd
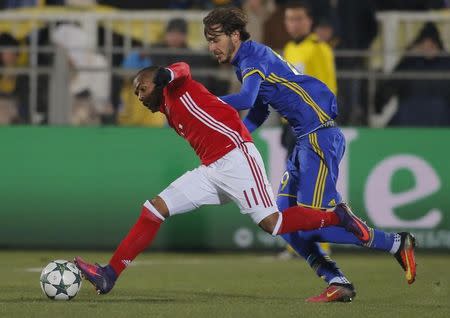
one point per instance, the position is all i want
(104, 97)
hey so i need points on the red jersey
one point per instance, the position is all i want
(212, 127)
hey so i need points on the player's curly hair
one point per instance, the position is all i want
(226, 20)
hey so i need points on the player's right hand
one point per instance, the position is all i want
(162, 77)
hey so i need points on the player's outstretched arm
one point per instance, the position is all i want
(246, 98)
(257, 115)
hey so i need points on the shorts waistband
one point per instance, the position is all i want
(327, 124)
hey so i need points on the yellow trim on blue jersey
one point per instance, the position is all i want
(308, 99)
(300, 93)
(287, 195)
(253, 72)
(323, 117)
(323, 172)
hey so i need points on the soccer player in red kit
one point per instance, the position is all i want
(231, 169)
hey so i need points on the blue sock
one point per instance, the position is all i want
(304, 243)
(311, 251)
(382, 241)
(321, 263)
(331, 234)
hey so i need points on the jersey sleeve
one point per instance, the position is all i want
(251, 66)
(257, 115)
(246, 97)
(252, 74)
(180, 72)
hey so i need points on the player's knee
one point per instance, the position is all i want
(158, 207)
(271, 223)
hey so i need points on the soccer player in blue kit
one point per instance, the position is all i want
(312, 169)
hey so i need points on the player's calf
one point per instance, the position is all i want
(298, 218)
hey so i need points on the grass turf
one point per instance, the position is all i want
(229, 285)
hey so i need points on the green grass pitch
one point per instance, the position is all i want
(229, 285)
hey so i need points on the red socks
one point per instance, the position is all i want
(299, 218)
(137, 240)
(295, 218)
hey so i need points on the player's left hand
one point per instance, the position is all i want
(162, 77)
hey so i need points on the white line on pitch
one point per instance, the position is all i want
(185, 261)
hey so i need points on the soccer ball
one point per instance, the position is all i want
(60, 280)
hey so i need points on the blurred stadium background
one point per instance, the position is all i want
(80, 156)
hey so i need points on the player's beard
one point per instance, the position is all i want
(154, 99)
(228, 53)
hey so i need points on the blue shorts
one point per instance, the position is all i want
(312, 170)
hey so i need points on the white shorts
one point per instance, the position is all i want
(239, 176)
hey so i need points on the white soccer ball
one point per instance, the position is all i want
(60, 280)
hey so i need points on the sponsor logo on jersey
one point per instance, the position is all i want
(248, 69)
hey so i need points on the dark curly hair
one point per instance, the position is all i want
(226, 20)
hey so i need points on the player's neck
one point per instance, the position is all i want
(236, 50)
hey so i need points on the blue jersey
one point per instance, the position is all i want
(304, 101)
(313, 166)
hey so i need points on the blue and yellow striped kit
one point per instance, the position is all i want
(310, 108)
